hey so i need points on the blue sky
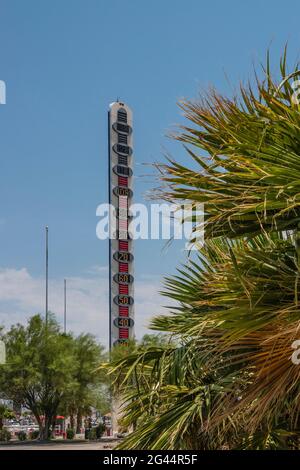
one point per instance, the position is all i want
(63, 62)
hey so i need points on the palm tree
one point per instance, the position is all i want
(226, 379)
(248, 177)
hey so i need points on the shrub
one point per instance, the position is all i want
(22, 436)
(5, 435)
(95, 433)
(70, 433)
(100, 430)
(34, 434)
(92, 436)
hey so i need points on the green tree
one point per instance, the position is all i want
(89, 388)
(39, 370)
(226, 378)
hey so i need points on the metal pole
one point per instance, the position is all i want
(47, 229)
(65, 306)
(109, 239)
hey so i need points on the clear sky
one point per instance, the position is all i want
(63, 62)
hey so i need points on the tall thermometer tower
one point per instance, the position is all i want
(121, 270)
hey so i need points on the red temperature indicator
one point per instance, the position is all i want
(123, 267)
(123, 311)
(123, 333)
(123, 289)
(123, 246)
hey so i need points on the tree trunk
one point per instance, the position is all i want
(43, 433)
(53, 423)
(45, 429)
(40, 424)
(1, 424)
(79, 422)
(72, 421)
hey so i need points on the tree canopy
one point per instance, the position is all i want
(47, 370)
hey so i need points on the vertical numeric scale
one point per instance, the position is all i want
(121, 280)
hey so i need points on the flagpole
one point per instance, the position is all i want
(65, 306)
(47, 266)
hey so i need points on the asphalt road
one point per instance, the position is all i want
(62, 446)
